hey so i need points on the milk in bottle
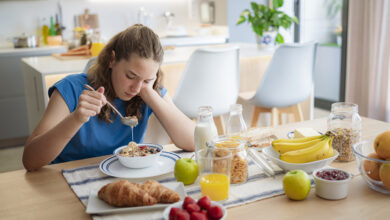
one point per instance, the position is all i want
(205, 129)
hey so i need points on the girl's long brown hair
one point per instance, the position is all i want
(136, 39)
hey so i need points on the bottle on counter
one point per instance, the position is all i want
(344, 125)
(57, 27)
(45, 30)
(52, 29)
(205, 129)
(236, 123)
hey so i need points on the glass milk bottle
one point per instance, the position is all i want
(205, 129)
(236, 124)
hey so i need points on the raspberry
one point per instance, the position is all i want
(198, 216)
(188, 200)
(204, 202)
(183, 215)
(215, 212)
(193, 208)
(173, 213)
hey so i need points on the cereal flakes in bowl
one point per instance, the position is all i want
(138, 155)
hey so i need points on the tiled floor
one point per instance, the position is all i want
(11, 158)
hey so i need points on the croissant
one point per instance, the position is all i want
(124, 193)
(161, 193)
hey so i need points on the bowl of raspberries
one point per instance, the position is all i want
(190, 209)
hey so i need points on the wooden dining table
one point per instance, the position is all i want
(44, 194)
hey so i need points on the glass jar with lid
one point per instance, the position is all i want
(344, 125)
(239, 164)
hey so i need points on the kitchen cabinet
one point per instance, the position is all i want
(13, 112)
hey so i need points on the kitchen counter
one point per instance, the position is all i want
(193, 40)
(7, 51)
(13, 110)
(50, 65)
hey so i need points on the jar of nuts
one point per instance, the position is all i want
(239, 165)
(344, 125)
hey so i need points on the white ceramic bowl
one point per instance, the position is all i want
(331, 189)
(180, 204)
(139, 162)
(274, 156)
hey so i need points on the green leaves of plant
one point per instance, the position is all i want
(263, 18)
(279, 38)
(277, 3)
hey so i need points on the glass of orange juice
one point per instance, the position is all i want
(214, 171)
(96, 48)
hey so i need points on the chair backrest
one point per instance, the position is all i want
(288, 79)
(211, 77)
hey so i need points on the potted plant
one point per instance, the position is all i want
(266, 22)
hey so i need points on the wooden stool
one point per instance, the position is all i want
(276, 114)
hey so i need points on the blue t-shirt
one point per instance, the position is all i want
(96, 137)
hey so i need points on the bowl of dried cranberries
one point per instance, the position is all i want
(331, 183)
(191, 209)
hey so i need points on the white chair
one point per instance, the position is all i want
(211, 77)
(90, 62)
(287, 82)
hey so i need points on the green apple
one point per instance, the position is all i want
(186, 170)
(296, 184)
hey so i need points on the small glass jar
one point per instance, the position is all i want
(344, 125)
(239, 164)
(236, 124)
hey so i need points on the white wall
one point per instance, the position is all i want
(17, 17)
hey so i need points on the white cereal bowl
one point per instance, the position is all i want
(180, 204)
(274, 156)
(331, 189)
(139, 162)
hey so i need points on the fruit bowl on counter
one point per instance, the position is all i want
(308, 167)
(374, 170)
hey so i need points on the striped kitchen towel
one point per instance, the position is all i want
(258, 186)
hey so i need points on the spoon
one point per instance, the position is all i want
(131, 121)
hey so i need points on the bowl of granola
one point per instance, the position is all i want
(136, 155)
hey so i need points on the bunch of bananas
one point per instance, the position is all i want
(304, 150)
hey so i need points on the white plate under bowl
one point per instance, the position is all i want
(98, 206)
(165, 164)
(180, 204)
(308, 167)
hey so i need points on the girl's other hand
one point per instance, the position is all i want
(146, 89)
(90, 104)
